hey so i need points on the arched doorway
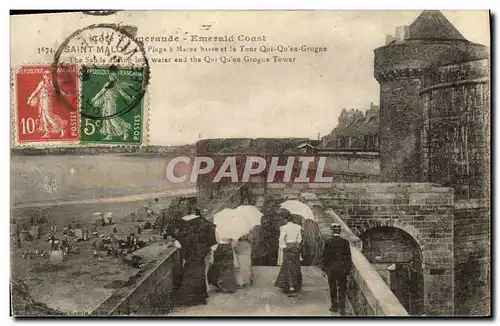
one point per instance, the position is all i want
(397, 257)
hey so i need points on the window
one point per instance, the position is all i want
(370, 141)
(343, 142)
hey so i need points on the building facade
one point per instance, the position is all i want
(435, 127)
(355, 130)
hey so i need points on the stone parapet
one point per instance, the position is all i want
(411, 58)
(151, 291)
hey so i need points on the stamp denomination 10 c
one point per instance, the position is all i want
(43, 112)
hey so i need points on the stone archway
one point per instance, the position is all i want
(397, 256)
(380, 222)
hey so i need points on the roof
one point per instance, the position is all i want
(359, 128)
(433, 25)
(305, 145)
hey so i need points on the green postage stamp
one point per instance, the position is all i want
(111, 105)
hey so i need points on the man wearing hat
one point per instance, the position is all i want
(336, 264)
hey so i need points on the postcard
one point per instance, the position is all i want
(250, 163)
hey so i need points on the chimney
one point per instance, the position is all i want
(402, 33)
(388, 39)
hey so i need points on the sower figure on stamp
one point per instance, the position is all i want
(107, 100)
(336, 264)
(44, 97)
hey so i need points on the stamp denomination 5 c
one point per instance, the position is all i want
(105, 92)
(114, 74)
(44, 113)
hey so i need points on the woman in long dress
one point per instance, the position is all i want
(106, 99)
(290, 276)
(296, 219)
(270, 238)
(243, 249)
(221, 272)
(258, 248)
(196, 236)
(44, 97)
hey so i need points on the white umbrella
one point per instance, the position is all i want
(107, 217)
(298, 208)
(99, 218)
(249, 215)
(221, 219)
(223, 216)
(227, 227)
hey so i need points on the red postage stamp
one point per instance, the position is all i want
(44, 113)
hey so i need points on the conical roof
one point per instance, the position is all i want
(433, 25)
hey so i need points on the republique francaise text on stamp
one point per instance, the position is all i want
(43, 113)
(101, 94)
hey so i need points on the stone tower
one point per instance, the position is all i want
(400, 68)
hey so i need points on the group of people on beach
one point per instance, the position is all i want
(226, 264)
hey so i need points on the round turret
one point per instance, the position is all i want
(401, 67)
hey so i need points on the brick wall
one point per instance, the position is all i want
(353, 163)
(219, 149)
(389, 245)
(422, 54)
(423, 211)
(347, 167)
(399, 142)
(472, 229)
(455, 134)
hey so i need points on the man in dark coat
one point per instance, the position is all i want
(336, 264)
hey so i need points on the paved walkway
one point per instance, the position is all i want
(263, 299)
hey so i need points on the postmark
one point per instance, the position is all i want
(104, 91)
(100, 12)
(114, 74)
(44, 113)
(105, 45)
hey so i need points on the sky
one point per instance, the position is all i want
(295, 100)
